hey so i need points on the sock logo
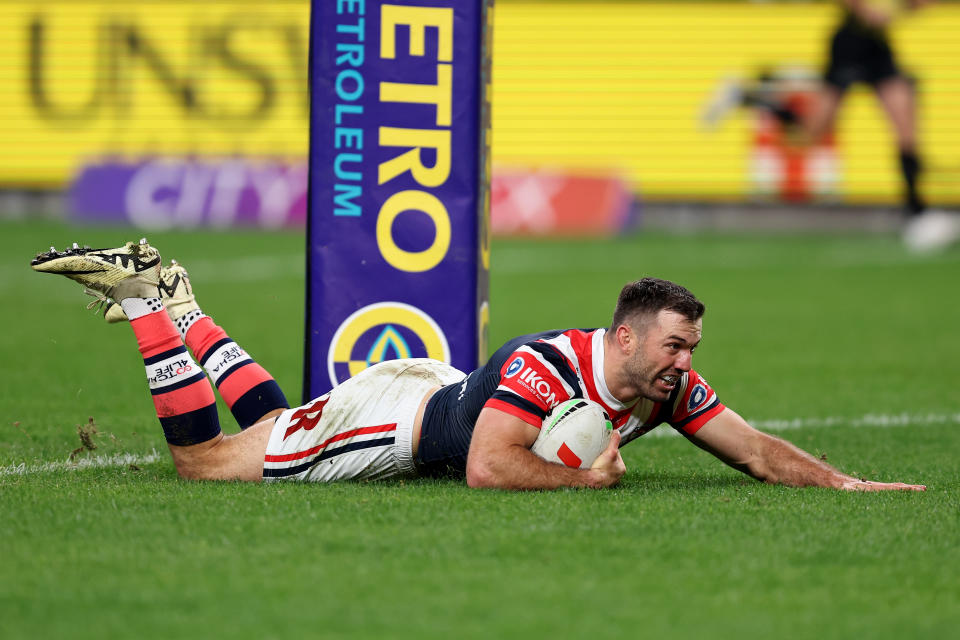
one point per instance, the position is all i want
(226, 357)
(171, 370)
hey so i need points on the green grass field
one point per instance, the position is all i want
(844, 344)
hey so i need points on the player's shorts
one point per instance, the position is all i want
(859, 55)
(361, 430)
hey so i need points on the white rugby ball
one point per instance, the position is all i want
(574, 433)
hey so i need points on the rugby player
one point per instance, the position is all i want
(421, 416)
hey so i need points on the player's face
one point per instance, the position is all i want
(664, 352)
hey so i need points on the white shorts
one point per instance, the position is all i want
(361, 430)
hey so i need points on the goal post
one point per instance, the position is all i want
(398, 206)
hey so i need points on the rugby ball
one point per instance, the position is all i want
(574, 433)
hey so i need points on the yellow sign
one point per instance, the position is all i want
(84, 79)
(621, 86)
(608, 86)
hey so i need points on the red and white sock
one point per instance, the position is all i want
(182, 396)
(249, 391)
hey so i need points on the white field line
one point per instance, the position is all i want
(869, 421)
(93, 462)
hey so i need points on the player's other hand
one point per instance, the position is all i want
(867, 485)
(608, 468)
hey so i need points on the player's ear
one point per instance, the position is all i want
(626, 337)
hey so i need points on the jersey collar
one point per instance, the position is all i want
(596, 347)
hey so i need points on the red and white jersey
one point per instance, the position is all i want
(557, 366)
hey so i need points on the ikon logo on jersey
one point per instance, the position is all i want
(535, 383)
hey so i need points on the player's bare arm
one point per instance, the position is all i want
(500, 458)
(776, 461)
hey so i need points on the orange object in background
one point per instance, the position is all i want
(783, 165)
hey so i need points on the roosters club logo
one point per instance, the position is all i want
(697, 397)
(514, 367)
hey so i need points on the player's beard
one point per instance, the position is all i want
(645, 378)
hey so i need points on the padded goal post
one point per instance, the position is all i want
(398, 214)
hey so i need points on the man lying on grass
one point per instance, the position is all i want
(423, 417)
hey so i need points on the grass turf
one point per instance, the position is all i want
(824, 328)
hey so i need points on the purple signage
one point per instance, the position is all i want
(399, 203)
(168, 192)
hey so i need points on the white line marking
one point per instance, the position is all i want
(94, 462)
(869, 421)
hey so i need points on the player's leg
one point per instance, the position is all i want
(824, 114)
(250, 392)
(842, 69)
(237, 456)
(182, 396)
(186, 405)
(896, 95)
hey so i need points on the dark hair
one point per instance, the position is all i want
(652, 295)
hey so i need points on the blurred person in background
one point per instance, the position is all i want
(859, 51)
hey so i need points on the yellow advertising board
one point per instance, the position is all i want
(83, 79)
(622, 85)
(595, 86)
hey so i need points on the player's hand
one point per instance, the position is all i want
(608, 468)
(867, 485)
